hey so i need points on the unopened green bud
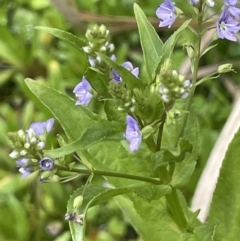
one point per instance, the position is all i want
(55, 178)
(190, 50)
(102, 29)
(14, 154)
(40, 145)
(224, 68)
(46, 175)
(23, 153)
(167, 66)
(27, 145)
(77, 202)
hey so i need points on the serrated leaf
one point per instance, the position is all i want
(177, 154)
(205, 232)
(152, 220)
(131, 80)
(150, 42)
(225, 206)
(183, 171)
(151, 192)
(73, 40)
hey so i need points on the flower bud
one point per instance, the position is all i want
(23, 153)
(27, 145)
(14, 154)
(210, 3)
(224, 68)
(40, 145)
(77, 202)
(21, 135)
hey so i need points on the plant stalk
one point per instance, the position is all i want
(110, 174)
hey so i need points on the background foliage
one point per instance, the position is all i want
(34, 211)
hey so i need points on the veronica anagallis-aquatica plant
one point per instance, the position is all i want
(145, 139)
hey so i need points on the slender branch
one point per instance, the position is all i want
(110, 174)
(195, 75)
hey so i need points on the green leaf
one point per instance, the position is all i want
(205, 232)
(98, 81)
(225, 206)
(172, 40)
(131, 80)
(183, 171)
(92, 196)
(110, 155)
(177, 154)
(152, 220)
(111, 110)
(151, 192)
(99, 131)
(73, 40)
(208, 48)
(77, 230)
(150, 42)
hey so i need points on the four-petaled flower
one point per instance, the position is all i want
(83, 92)
(133, 134)
(166, 13)
(39, 128)
(127, 65)
(227, 26)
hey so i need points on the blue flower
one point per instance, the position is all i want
(83, 92)
(133, 134)
(227, 26)
(39, 128)
(127, 65)
(23, 163)
(232, 8)
(166, 13)
(46, 164)
(194, 2)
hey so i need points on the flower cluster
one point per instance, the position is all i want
(171, 84)
(28, 146)
(228, 24)
(98, 41)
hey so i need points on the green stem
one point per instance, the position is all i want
(195, 73)
(110, 174)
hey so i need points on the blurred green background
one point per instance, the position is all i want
(33, 211)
